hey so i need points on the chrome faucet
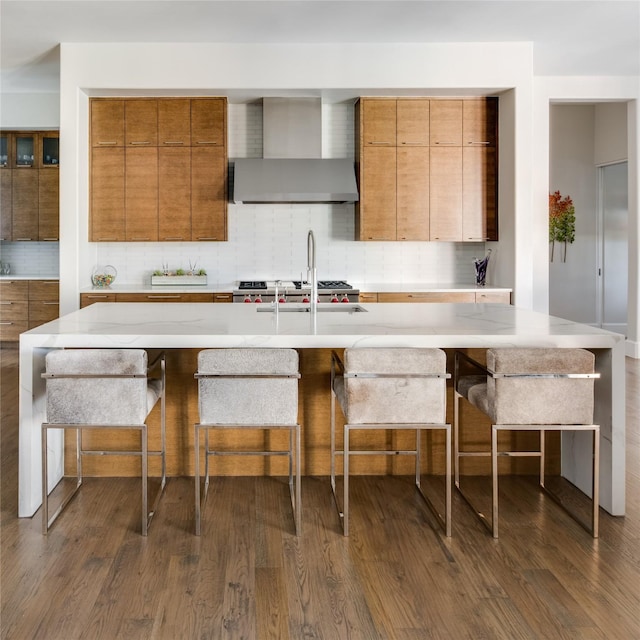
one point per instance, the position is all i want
(312, 275)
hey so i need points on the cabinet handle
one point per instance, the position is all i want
(387, 143)
(378, 239)
(205, 238)
(50, 303)
(417, 295)
(176, 238)
(207, 142)
(17, 239)
(418, 144)
(485, 142)
(173, 142)
(49, 239)
(138, 239)
(112, 143)
(6, 323)
(223, 296)
(97, 297)
(107, 239)
(141, 142)
(164, 297)
(452, 143)
(5, 302)
(478, 239)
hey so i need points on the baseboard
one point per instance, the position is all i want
(632, 349)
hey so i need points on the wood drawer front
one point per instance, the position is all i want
(14, 311)
(501, 297)
(223, 297)
(430, 296)
(164, 297)
(48, 290)
(368, 297)
(14, 290)
(90, 298)
(41, 311)
(10, 330)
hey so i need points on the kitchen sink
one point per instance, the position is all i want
(342, 307)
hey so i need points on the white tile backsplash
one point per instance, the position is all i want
(270, 241)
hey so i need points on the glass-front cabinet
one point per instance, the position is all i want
(49, 153)
(5, 150)
(24, 145)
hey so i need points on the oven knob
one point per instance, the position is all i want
(247, 299)
(258, 299)
(282, 299)
(334, 298)
(345, 298)
(306, 299)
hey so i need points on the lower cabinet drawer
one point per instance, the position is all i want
(10, 330)
(164, 297)
(13, 319)
(41, 311)
(90, 298)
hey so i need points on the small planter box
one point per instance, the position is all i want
(178, 280)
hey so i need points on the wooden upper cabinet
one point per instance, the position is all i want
(174, 193)
(445, 123)
(412, 193)
(209, 122)
(445, 193)
(379, 122)
(141, 123)
(107, 123)
(479, 194)
(480, 122)
(174, 122)
(48, 206)
(6, 149)
(141, 194)
(377, 194)
(49, 150)
(24, 204)
(107, 195)
(412, 122)
(6, 232)
(208, 193)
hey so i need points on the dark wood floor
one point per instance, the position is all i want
(249, 577)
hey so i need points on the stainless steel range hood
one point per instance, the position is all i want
(292, 169)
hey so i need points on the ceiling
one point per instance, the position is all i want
(570, 37)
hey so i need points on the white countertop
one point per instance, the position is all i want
(193, 325)
(13, 277)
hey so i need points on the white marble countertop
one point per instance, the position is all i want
(425, 287)
(13, 277)
(193, 325)
(148, 288)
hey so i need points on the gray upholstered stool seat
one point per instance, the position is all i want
(533, 390)
(103, 389)
(389, 389)
(250, 389)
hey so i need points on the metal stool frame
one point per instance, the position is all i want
(293, 452)
(495, 453)
(346, 452)
(143, 452)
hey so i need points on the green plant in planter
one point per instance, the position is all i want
(201, 272)
(562, 222)
(179, 272)
(157, 272)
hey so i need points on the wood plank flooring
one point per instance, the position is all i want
(248, 576)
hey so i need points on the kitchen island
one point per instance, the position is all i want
(448, 326)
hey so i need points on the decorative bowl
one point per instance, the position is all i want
(103, 276)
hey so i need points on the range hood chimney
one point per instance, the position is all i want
(292, 169)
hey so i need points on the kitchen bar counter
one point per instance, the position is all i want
(197, 326)
(427, 287)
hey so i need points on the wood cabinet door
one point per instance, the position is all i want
(174, 122)
(49, 150)
(445, 193)
(141, 123)
(445, 123)
(6, 178)
(498, 297)
(24, 204)
(428, 296)
(378, 122)
(480, 122)
(479, 194)
(107, 195)
(141, 194)
(208, 193)
(378, 194)
(48, 205)
(174, 194)
(44, 290)
(208, 122)
(107, 123)
(412, 122)
(412, 197)
(87, 299)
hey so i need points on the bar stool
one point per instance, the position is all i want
(103, 389)
(528, 390)
(389, 389)
(248, 389)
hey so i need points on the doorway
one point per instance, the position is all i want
(613, 245)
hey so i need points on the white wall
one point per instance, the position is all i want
(29, 110)
(611, 137)
(129, 69)
(572, 284)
